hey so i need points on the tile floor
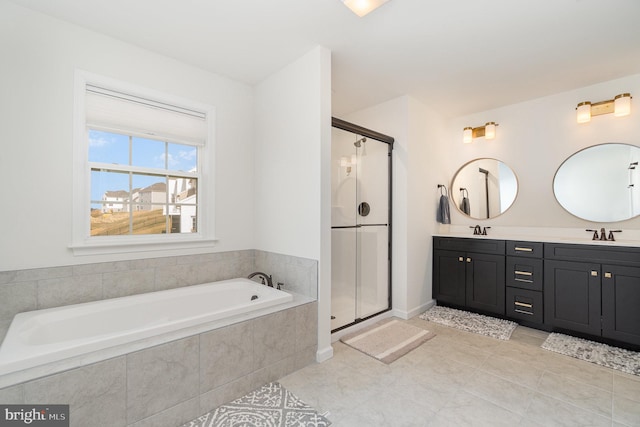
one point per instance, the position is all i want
(464, 379)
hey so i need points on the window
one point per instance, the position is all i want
(140, 161)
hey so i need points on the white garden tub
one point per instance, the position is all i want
(43, 336)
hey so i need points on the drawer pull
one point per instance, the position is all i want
(520, 249)
(524, 273)
(522, 304)
(523, 312)
(608, 275)
(460, 259)
(517, 279)
(594, 273)
(468, 259)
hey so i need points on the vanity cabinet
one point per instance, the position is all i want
(593, 290)
(590, 290)
(470, 273)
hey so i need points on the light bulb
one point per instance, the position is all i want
(467, 135)
(622, 105)
(583, 114)
(490, 130)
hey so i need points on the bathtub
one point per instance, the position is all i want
(40, 337)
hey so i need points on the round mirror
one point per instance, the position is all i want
(484, 188)
(600, 183)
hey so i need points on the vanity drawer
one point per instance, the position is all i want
(479, 245)
(525, 273)
(524, 249)
(525, 305)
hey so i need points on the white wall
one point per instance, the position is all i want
(534, 138)
(292, 170)
(39, 56)
(287, 139)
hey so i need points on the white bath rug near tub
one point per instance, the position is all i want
(387, 340)
(471, 322)
(594, 352)
(269, 406)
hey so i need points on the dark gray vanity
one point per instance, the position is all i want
(586, 290)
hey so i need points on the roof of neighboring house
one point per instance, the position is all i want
(158, 186)
(117, 193)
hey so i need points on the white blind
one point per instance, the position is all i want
(114, 110)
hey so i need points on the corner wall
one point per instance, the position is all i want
(292, 139)
(40, 55)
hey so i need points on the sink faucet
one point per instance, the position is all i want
(603, 234)
(264, 278)
(477, 231)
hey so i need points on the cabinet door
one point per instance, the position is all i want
(485, 282)
(448, 277)
(572, 296)
(621, 303)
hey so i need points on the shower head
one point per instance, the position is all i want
(360, 142)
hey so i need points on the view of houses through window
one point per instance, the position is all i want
(141, 185)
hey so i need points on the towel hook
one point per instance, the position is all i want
(465, 192)
(441, 186)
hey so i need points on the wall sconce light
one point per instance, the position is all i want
(362, 7)
(619, 106)
(488, 131)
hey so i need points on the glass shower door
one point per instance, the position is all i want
(360, 228)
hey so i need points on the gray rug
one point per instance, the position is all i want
(269, 406)
(594, 352)
(471, 322)
(387, 340)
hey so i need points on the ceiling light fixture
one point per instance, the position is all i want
(619, 106)
(488, 131)
(362, 7)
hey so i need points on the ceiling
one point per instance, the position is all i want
(458, 56)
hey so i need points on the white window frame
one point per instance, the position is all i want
(82, 242)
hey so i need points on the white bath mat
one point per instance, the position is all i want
(471, 322)
(594, 352)
(387, 340)
(269, 406)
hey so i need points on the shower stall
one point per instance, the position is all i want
(360, 223)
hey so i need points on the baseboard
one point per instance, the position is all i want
(406, 315)
(324, 354)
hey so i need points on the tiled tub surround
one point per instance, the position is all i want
(174, 382)
(34, 289)
(175, 377)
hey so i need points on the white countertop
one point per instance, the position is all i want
(627, 237)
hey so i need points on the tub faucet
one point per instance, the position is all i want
(264, 278)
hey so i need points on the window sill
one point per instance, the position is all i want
(99, 246)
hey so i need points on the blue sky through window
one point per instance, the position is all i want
(113, 148)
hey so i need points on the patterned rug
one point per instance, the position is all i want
(471, 322)
(594, 352)
(270, 406)
(387, 340)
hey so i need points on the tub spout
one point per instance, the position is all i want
(264, 278)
